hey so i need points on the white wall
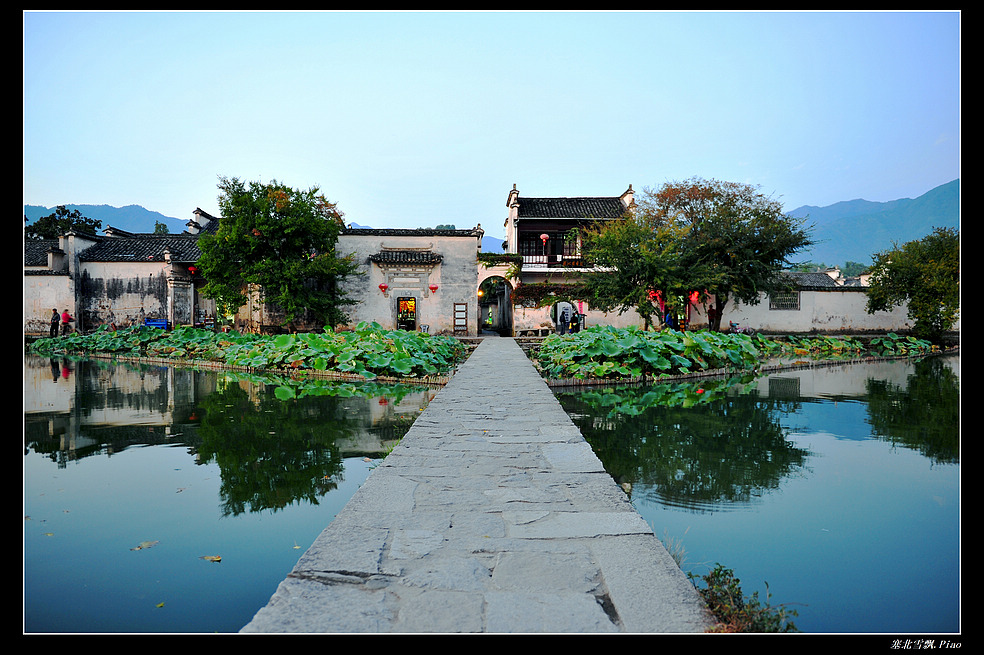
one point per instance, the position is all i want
(456, 278)
(823, 311)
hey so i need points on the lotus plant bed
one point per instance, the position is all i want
(604, 354)
(367, 352)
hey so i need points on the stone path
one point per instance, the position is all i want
(493, 515)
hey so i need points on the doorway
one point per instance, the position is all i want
(406, 313)
(495, 306)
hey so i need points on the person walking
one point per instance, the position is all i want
(55, 320)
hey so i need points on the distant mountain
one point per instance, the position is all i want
(132, 218)
(854, 230)
(491, 244)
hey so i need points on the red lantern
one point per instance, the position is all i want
(433, 288)
(383, 287)
(543, 238)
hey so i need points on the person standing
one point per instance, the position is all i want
(55, 319)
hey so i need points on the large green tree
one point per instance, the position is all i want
(719, 239)
(739, 240)
(282, 241)
(926, 275)
(634, 259)
(58, 223)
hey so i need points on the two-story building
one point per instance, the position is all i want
(543, 232)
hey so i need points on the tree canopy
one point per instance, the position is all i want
(58, 223)
(712, 238)
(282, 241)
(926, 275)
(633, 258)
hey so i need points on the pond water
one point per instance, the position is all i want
(836, 490)
(137, 477)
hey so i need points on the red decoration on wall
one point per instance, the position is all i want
(383, 287)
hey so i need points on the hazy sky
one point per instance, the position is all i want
(418, 119)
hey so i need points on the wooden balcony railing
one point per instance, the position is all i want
(553, 261)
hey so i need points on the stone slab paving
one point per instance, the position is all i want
(493, 515)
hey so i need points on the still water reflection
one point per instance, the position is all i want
(137, 477)
(838, 487)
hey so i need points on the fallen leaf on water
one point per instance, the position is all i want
(159, 605)
(211, 558)
(145, 544)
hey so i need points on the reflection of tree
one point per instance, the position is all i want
(924, 416)
(271, 453)
(693, 455)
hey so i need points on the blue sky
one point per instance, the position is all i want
(410, 119)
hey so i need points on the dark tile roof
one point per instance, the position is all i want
(144, 247)
(213, 222)
(405, 257)
(36, 252)
(812, 280)
(598, 208)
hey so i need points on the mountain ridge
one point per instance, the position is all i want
(855, 230)
(836, 227)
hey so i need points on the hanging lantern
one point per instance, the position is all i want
(383, 287)
(544, 237)
(433, 288)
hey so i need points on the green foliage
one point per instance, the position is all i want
(548, 293)
(739, 613)
(281, 241)
(61, 221)
(489, 259)
(633, 258)
(716, 238)
(893, 344)
(820, 347)
(368, 351)
(926, 275)
(605, 352)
